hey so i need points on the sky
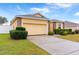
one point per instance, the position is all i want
(59, 11)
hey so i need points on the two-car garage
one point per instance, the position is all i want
(36, 27)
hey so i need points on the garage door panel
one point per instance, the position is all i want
(34, 29)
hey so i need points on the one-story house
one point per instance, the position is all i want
(35, 24)
(71, 25)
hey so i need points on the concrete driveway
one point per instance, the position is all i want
(55, 46)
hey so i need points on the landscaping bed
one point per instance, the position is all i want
(9, 46)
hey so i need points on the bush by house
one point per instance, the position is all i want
(19, 33)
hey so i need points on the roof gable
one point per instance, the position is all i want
(33, 16)
(55, 20)
(38, 15)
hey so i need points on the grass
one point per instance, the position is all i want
(72, 37)
(18, 47)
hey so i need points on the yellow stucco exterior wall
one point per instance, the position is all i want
(14, 24)
(37, 21)
(51, 26)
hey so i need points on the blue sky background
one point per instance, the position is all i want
(60, 11)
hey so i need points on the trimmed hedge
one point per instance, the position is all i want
(20, 28)
(14, 34)
(57, 31)
(50, 33)
(68, 30)
(76, 31)
(19, 33)
(63, 31)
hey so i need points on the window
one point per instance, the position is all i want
(19, 22)
(59, 26)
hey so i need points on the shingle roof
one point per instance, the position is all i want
(55, 20)
(32, 16)
(68, 23)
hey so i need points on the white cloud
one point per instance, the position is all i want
(76, 14)
(18, 7)
(44, 10)
(63, 5)
(20, 10)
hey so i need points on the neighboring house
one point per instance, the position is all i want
(55, 24)
(71, 25)
(35, 24)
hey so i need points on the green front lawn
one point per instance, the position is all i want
(18, 47)
(72, 37)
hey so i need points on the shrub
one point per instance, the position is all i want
(18, 33)
(73, 32)
(76, 31)
(50, 33)
(57, 31)
(64, 33)
(69, 31)
(15, 34)
(61, 31)
(20, 28)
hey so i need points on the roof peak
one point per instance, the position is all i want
(37, 13)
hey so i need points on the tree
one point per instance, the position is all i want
(3, 20)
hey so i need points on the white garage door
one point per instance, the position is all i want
(36, 29)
